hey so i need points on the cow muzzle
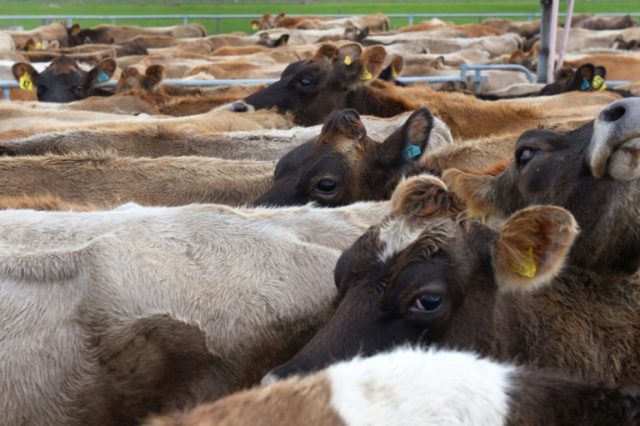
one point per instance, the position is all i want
(614, 149)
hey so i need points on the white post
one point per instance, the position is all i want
(565, 36)
(553, 33)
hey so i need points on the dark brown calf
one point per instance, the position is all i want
(343, 165)
(335, 78)
(430, 276)
(64, 80)
(592, 171)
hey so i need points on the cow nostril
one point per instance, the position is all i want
(239, 107)
(613, 114)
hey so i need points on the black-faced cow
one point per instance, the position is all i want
(592, 171)
(64, 80)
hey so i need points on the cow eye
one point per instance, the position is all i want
(305, 82)
(78, 90)
(525, 155)
(427, 303)
(326, 185)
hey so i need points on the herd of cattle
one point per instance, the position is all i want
(373, 253)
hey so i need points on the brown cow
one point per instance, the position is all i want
(592, 171)
(430, 275)
(64, 80)
(439, 387)
(108, 181)
(110, 34)
(312, 89)
(42, 202)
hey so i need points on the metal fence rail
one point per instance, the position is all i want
(186, 18)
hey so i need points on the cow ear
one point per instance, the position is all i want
(397, 65)
(476, 190)
(341, 124)
(424, 196)
(30, 45)
(408, 143)
(440, 62)
(102, 71)
(584, 76)
(349, 53)
(283, 40)
(155, 72)
(54, 44)
(25, 74)
(532, 247)
(326, 50)
(372, 61)
(74, 30)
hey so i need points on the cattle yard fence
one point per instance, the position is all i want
(476, 78)
(218, 18)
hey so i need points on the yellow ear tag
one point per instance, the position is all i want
(366, 75)
(525, 266)
(394, 73)
(347, 60)
(477, 214)
(254, 26)
(598, 83)
(25, 82)
(38, 45)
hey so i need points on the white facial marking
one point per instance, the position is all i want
(397, 234)
(412, 386)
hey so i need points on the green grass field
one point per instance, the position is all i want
(149, 7)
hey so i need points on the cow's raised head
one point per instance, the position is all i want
(63, 80)
(587, 78)
(592, 171)
(343, 164)
(312, 89)
(429, 275)
(266, 40)
(131, 78)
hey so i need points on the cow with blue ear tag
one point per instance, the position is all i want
(64, 80)
(343, 165)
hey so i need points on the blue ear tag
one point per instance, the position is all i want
(585, 85)
(412, 151)
(102, 77)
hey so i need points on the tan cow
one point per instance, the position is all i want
(108, 181)
(56, 31)
(242, 145)
(619, 65)
(111, 316)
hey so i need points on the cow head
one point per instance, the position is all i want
(312, 89)
(587, 78)
(63, 80)
(343, 164)
(267, 41)
(429, 275)
(131, 79)
(592, 171)
(265, 23)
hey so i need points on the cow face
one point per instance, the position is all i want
(592, 171)
(131, 79)
(587, 78)
(429, 275)
(343, 165)
(312, 89)
(63, 80)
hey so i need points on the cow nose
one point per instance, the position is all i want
(613, 113)
(615, 140)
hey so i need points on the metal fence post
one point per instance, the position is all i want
(218, 25)
(410, 20)
(185, 20)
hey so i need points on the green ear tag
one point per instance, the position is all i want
(412, 151)
(598, 83)
(525, 266)
(25, 82)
